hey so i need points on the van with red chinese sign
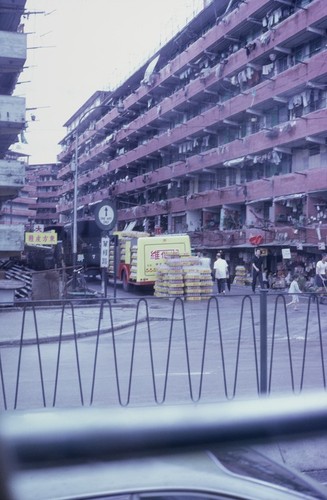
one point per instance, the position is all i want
(139, 254)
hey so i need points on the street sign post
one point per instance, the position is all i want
(104, 263)
(105, 218)
(105, 215)
(104, 256)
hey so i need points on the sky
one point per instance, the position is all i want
(75, 47)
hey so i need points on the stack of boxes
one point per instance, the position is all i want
(206, 282)
(162, 280)
(133, 274)
(183, 277)
(126, 249)
(169, 278)
(240, 276)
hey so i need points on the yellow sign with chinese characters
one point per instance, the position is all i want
(37, 238)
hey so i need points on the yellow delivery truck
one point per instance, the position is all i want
(139, 254)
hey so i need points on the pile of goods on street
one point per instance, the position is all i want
(183, 276)
(241, 277)
(126, 249)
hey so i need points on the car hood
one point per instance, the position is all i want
(238, 472)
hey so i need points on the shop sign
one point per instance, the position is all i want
(37, 238)
(256, 240)
(286, 253)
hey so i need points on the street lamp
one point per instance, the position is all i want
(76, 189)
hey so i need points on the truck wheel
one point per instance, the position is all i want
(126, 285)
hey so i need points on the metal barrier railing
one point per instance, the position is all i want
(153, 351)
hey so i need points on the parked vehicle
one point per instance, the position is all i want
(201, 452)
(139, 254)
(88, 246)
(211, 474)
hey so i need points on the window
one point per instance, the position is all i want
(221, 177)
(315, 45)
(232, 177)
(206, 182)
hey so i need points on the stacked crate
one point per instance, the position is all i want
(161, 283)
(206, 282)
(183, 277)
(125, 239)
(133, 274)
(192, 279)
(240, 276)
(175, 276)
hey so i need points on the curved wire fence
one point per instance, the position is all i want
(151, 351)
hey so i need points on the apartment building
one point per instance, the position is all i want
(42, 194)
(12, 122)
(221, 134)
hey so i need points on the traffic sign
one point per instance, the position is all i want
(105, 215)
(104, 260)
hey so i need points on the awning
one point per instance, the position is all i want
(290, 197)
(260, 200)
(150, 68)
(286, 244)
(318, 191)
(243, 245)
(178, 214)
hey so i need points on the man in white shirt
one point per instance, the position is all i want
(321, 271)
(221, 267)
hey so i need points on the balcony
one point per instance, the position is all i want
(12, 59)
(12, 120)
(12, 178)
(12, 50)
(11, 239)
(251, 237)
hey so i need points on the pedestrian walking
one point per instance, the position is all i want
(294, 289)
(221, 268)
(265, 279)
(228, 279)
(321, 277)
(203, 260)
(257, 263)
(321, 272)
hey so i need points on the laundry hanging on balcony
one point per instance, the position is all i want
(235, 162)
(289, 197)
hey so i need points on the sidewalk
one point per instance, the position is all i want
(82, 317)
(49, 323)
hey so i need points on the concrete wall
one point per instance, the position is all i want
(12, 110)
(13, 47)
(12, 178)
(11, 239)
(45, 285)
